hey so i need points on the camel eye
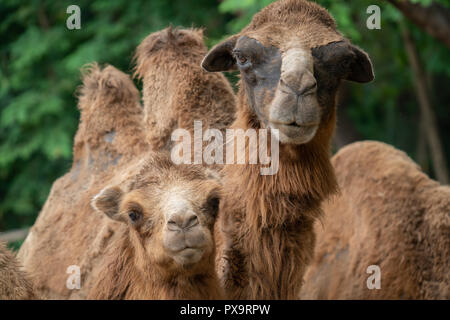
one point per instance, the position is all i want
(134, 216)
(241, 59)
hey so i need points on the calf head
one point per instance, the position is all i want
(170, 212)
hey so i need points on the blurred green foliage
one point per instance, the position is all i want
(40, 61)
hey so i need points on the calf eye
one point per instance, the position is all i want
(212, 205)
(134, 216)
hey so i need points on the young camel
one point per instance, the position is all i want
(165, 247)
(389, 214)
(119, 260)
(291, 59)
(14, 283)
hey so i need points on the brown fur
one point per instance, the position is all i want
(176, 90)
(389, 214)
(14, 283)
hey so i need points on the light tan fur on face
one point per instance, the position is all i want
(294, 110)
(185, 236)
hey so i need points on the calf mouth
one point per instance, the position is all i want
(186, 247)
(188, 256)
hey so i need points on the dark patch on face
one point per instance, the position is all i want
(327, 86)
(260, 68)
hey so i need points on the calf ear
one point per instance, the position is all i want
(345, 60)
(108, 202)
(220, 57)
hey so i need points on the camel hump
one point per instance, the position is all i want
(108, 100)
(107, 85)
(374, 160)
(111, 120)
(377, 173)
(186, 42)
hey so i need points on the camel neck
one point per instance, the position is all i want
(305, 178)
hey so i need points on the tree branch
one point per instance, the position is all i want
(14, 235)
(426, 109)
(434, 19)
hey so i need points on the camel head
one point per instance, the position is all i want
(170, 212)
(291, 59)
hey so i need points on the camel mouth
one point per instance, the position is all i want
(188, 256)
(299, 125)
(187, 248)
(294, 133)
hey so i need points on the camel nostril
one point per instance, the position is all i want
(173, 225)
(310, 89)
(297, 89)
(182, 221)
(191, 221)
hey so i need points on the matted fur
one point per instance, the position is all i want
(389, 214)
(15, 284)
(176, 90)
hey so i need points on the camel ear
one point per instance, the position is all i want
(108, 202)
(220, 57)
(346, 61)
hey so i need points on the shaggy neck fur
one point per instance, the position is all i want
(130, 275)
(268, 220)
